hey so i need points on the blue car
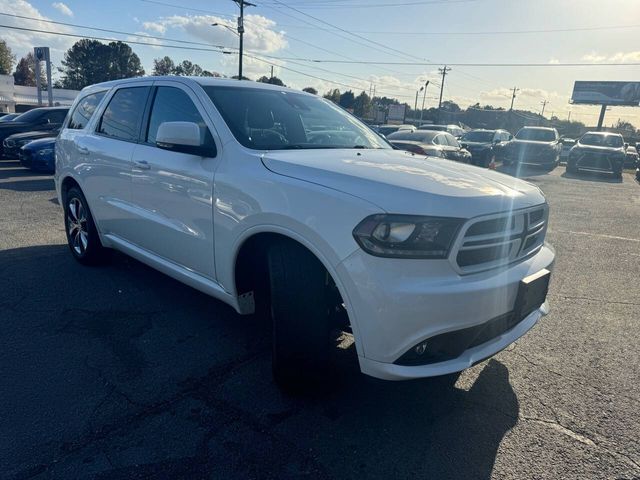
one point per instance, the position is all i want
(39, 155)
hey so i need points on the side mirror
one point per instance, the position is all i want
(185, 137)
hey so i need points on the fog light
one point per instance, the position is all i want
(420, 348)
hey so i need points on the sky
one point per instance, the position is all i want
(358, 41)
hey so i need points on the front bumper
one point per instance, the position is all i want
(400, 303)
(538, 158)
(36, 162)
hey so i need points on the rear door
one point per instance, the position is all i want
(173, 191)
(108, 150)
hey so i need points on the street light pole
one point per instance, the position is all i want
(424, 98)
(415, 106)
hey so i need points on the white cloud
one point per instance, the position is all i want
(619, 57)
(22, 41)
(154, 27)
(62, 8)
(260, 34)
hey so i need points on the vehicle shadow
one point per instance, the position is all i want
(521, 171)
(593, 176)
(15, 177)
(121, 372)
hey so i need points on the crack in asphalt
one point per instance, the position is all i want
(599, 300)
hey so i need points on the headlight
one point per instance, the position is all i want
(407, 236)
(45, 152)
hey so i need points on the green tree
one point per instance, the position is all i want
(624, 125)
(163, 66)
(271, 80)
(6, 58)
(90, 61)
(361, 105)
(333, 95)
(310, 90)
(347, 99)
(449, 106)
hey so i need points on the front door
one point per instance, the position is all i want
(172, 191)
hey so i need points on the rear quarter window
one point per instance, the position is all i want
(84, 111)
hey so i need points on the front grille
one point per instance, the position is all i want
(489, 242)
(594, 161)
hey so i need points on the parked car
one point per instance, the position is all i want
(566, 146)
(9, 117)
(598, 152)
(631, 156)
(387, 130)
(433, 143)
(454, 130)
(46, 118)
(435, 265)
(537, 146)
(13, 143)
(485, 146)
(39, 155)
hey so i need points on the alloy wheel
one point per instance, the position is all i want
(77, 226)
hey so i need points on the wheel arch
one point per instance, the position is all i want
(257, 240)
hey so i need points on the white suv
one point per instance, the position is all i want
(277, 202)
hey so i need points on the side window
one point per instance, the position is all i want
(84, 110)
(171, 105)
(57, 116)
(440, 140)
(121, 119)
(451, 140)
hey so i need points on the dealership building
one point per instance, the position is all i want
(18, 98)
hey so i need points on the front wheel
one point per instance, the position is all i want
(82, 235)
(300, 314)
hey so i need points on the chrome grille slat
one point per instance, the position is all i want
(476, 253)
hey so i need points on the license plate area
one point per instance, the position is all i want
(532, 293)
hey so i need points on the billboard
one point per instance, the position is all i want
(396, 113)
(606, 93)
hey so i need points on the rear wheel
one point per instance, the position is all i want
(300, 315)
(82, 235)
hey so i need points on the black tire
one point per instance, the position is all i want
(82, 235)
(300, 316)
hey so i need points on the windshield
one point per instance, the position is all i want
(484, 137)
(8, 118)
(536, 135)
(278, 120)
(29, 117)
(599, 140)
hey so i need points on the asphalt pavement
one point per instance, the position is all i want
(120, 372)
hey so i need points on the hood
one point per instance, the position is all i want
(34, 135)
(595, 149)
(529, 143)
(401, 182)
(47, 142)
(475, 144)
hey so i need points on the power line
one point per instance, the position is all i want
(346, 31)
(378, 5)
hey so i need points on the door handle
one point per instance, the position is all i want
(83, 150)
(142, 165)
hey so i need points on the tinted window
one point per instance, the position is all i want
(83, 112)
(600, 140)
(31, 116)
(536, 134)
(55, 116)
(478, 136)
(268, 119)
(121, 119)
(440, 140)
(172, 105)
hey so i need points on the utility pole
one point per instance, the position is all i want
(424, 98)
(415, 105)
(443, 72)
(272, 72)
(544, 104)
(241, 4)
(513, 97)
